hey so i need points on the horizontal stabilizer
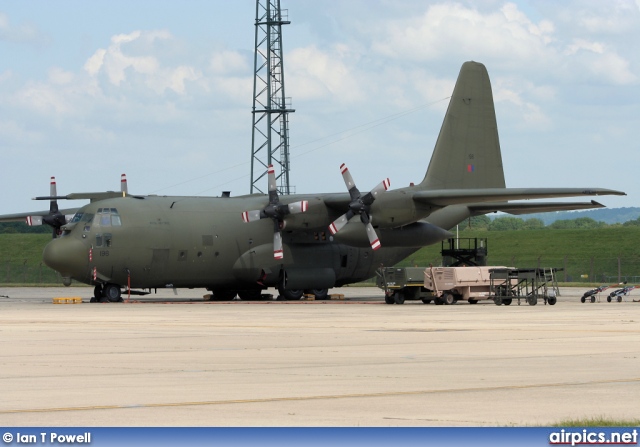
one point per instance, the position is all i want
(471, 196)
(532, 207)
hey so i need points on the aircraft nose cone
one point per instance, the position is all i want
(66, 255)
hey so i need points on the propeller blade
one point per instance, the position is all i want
(278, 253)
(348, 180)
(251, 216)
(346, 175)
(373, 237)
(272, 178)
(298, 207)
(371, 196)
(123, 185)
(53, 192)
(339, 223)
(34, 220)
(383, 186)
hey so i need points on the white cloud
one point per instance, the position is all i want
(314, 73)
(229, 62)
(119, 65)
(24, 33)
(451, 29)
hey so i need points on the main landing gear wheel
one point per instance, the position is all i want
(320, 294)
(290, 294)
(112, 293)
(97, 294)
(398, 298)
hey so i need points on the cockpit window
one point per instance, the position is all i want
(76, 218)
(108, 217)
(86, 219)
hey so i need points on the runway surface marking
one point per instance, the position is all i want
(320, 397)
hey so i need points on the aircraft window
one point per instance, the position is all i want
(109, 217)
(76, 218)
(105, 220)
(107, 240)
(87, 218)
(98, 240)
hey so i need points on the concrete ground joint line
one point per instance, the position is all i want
(318, 397)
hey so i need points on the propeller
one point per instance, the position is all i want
(123, 185)
(276, 211)
(360, 205)
(55, 218)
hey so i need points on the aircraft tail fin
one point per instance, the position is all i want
(467, 152)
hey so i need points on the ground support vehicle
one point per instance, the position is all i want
(530, 284)
(403, 283)
(452, 284)
(440, 285)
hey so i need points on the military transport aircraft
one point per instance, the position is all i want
(242, 245)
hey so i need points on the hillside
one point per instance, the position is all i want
(606, 215)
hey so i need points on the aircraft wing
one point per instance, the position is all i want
(337, 201)
(21, 217)
(528, 208)
(445, 197)
(92, 196)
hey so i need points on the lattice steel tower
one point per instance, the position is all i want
(270, 134)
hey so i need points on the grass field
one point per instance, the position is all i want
(600, 254)
(594, 253)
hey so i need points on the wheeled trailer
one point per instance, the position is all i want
(529, 284)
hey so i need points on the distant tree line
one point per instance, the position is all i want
(22, 227)
(508, 223)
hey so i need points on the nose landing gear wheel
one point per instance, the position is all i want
(112, 293)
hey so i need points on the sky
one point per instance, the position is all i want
(162, 91)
